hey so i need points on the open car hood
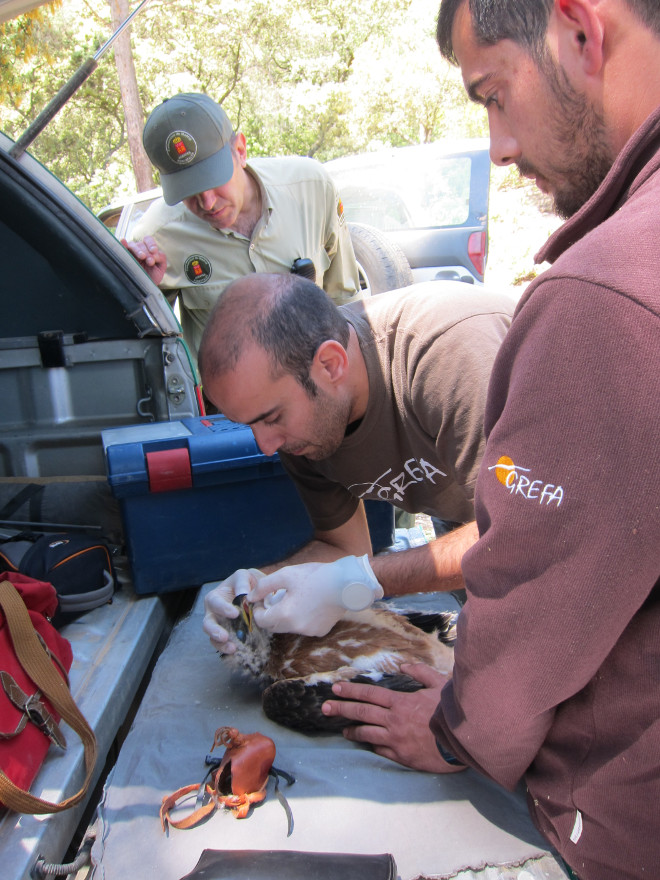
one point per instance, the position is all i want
(141, 301)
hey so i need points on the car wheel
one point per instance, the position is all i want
(381, 263)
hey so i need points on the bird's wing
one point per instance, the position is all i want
(296, 702)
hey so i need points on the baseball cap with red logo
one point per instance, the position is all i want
(188, 139)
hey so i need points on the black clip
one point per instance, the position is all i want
(304, 267)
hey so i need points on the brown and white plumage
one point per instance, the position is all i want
(367, 646)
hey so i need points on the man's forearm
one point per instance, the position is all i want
(315, 551)
(435, 567)
(349, 539)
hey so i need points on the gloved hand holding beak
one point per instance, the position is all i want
(218, 605)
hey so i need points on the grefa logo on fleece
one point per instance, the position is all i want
(515, 479)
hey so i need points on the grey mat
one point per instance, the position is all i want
(345, 798)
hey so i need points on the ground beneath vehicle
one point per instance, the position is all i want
(430, 201)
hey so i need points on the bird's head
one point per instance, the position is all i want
(252, 643)
(244, 623)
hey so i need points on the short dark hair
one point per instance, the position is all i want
(648, 11)
(302, 318)
(287, 315)
(525, 22)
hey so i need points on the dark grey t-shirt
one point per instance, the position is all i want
(429, 351)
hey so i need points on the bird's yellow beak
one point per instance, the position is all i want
(246, 614)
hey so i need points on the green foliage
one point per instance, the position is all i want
(78, 144)
(20, 42)
(311, 77)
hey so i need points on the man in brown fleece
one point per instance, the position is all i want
(557, 661)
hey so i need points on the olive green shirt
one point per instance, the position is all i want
(302, 217)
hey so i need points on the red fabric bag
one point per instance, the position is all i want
(34, 693)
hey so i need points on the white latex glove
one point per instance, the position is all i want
(218, 605)
(310, 598)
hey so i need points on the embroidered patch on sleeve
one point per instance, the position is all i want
(197, 269)
(519, 481)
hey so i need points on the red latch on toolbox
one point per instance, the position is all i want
(169, 469)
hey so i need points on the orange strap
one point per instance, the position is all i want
(170, 801)
(238, 780)
(239, 805)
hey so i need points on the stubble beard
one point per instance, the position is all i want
(577, 134)
(329, 426)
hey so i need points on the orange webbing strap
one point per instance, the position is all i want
(39, 666)
(170, 801)
(239, 804)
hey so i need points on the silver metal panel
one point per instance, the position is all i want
(52, 418)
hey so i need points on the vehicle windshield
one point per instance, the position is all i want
(404, 191)
(112, 217)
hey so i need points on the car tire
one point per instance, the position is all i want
(382, 264)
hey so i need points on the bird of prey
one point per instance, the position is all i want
(369, 646)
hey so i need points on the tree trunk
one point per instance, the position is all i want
(130, 97)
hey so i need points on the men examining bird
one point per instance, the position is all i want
(384, 399)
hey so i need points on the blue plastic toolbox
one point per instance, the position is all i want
(199, 499)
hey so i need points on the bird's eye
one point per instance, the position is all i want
(241, 635)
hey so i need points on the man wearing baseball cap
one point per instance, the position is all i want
(221, 218)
